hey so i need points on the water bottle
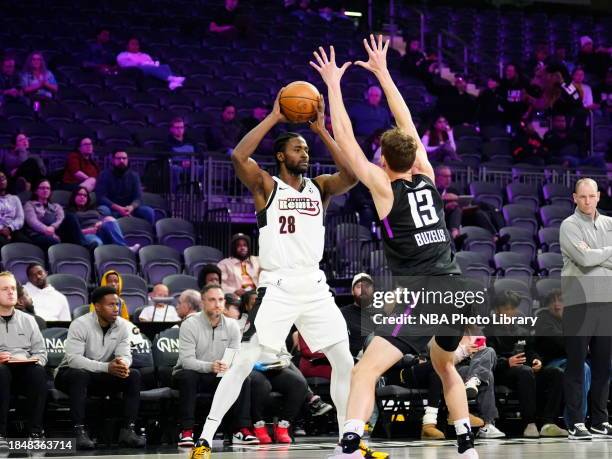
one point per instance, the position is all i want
(143, 434)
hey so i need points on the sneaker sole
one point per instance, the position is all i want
(600, 435)
(321, 412)
(572, 437)
(243, 442)
(490, 437)
(186, 444)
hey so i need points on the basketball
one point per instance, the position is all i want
(299, 101)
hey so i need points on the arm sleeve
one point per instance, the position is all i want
(32, 219)
(37, 344)
(17, 224)
(59, 216)
(451, 140)
(124, 348)
(187, 350)
(428, 148)
(102, 190)
(72, 165)
(137, 191)
(123, 60)
(51, 78)
(569, 236)
(75, 351)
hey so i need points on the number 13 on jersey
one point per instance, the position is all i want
(422, 208)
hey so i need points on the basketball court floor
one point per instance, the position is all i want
(320, 448)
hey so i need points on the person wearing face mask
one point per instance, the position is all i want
(119, 191)
(22, 168)
(81, 168)
(240, 271)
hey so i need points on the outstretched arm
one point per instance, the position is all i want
(341, 181)
(352, 156)
(258, 181)
(377, 64)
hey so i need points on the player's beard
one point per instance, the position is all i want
(296, 169)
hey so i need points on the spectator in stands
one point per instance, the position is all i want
(538, 60)
(11, 216)
(528, 147)
(512, 95)
(10, 83)
(37, 82)
(594, 61)
(224, 135)
(232, 307)
(266, 147)
(357, 315)
(370, 115)
(21, 167)
(26, 304)
(604, 94)
(586, 94)
(95, 228)
(475, 363)
(43, 217)
(81, 168)
(456, 104)
(189, 304)
(97, 360)
(229, 21)
(274, 372)
(247, 303)
(50, 304)
(439, 141)
(520, 368)
(203, 341)
(551, 345)
(20, 339)
(240, 271)
(119, 192)
(100, 54)
(133, 58)
(312, 364)
(113, 279)
(209, 274)
(559, 58)
(562, 144)
(178, 141)
(488, 112)
(415, 63)
(160, 311)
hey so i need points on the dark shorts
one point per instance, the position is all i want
(441, 312)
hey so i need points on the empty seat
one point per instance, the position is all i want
(80, 311)
(473, 264)
(521, 241)
(159, 261)
(74, 288)
(199, 255)
(555, 193)
(134, 291)
(487, 192)
(18, 255)
(157, 203)
(70, 259)
(524, 194)
(136, 231)
(61, 197)
(114, 137)
(511, 264)
(549, 240)
(165, 354)
(521, 216)
(177, 283)
(478, 240)
(553, 215)
(550, 264)
(176, 233)
(115, 257)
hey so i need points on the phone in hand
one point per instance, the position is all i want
(480, 341)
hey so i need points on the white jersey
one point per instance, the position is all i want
(291, 231)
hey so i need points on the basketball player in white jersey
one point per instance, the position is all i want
(416, 243)
(292, 289)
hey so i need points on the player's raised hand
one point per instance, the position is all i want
(276, 112)
(318, 124)
(377, 54)
(327, 67)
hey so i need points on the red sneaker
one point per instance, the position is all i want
(261, 432)
(281, 432)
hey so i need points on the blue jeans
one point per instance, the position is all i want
(561, 363)
(161, 73)
(108, 233)
(145, 212)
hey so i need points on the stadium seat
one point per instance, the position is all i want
(114, 137)
(61, 197)
(159, 261)
(165, 355)
(116, 257)
(478, 240)
(474, 264)
(550, 264)
(177, 283)
(553, 215)
(80, 311)
(18, 255)
(549, 240)
(511, 264)
(524, 194)
(74, 288)
(70, 259)
(521, 241)
(487, 192)
(134, 291)
(199, 255)
(176, 233)
(517, 286)
(555, 193)
(545, 286)
(520, 216)
(136, 231)
(157, 203)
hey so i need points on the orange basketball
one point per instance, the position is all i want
(299, 101)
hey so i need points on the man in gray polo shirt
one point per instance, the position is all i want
(586, 246)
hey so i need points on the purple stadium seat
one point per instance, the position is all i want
(478, 240)
(70, 259)
(550, 264)
(159, 261)
(521, 241)
(549, 239)
(521, 216)
(176, 233)
(524, 194)
(487, 192)
(553, 215)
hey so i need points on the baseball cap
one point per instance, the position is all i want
(360, 277)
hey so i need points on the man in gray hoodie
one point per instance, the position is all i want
(97, 360)
(22, 361)
(586, 246)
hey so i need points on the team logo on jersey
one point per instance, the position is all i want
(305, 206)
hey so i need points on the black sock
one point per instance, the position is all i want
(350, 442)
(465, 441)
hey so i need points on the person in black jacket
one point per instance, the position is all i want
(551, 345)
(520, 367)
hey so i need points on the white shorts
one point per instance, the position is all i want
(300, 297)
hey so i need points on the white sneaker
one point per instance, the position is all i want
(134, 248)
(490, 431)
(552, 430)
(531, 431)
(174, 84)
(471, 387)
(469, 454)
(244, 437)
(338, 454)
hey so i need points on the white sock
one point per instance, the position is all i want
(462, 426)
(431, 415)
(354, 426)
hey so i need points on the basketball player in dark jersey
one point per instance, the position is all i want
(416, 242)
